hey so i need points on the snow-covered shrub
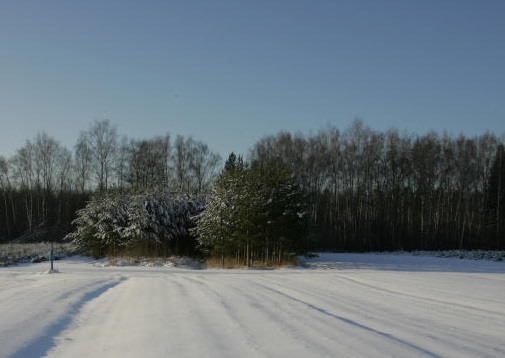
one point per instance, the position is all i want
(156, 223)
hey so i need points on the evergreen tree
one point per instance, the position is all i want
(218, 224)
(254, 214)
(145, 224)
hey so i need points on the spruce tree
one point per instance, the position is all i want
(255, 213)
(218, 224)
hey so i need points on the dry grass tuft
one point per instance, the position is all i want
(232, 263)
(229, 263)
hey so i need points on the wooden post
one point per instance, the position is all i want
(51, 255)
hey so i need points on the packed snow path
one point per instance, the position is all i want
(339, 306)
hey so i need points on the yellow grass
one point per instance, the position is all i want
(232, 263)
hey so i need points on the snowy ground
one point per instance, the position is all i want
(340, 305)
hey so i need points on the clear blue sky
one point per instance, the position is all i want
(230, 72)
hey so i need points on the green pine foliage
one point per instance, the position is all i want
(256, 214)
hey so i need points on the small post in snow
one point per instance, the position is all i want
(51, 255)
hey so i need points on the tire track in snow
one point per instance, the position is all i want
(185, 323)
(114, 324)
(424, 319)
(442, 314)
(443, 307)
(211, 313)
(422, 299)
(307, 332)
(248, 307)
(45, 341)
(217, 304)
(356, 324)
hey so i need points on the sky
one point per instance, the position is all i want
(229, 72)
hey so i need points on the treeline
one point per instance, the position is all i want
(364, 189)
(369, 190)
(43, 184)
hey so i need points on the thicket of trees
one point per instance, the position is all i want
(363, 190)
(44, 184)
(256, 213)
(389, 191)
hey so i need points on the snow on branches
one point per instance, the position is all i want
(117, 223)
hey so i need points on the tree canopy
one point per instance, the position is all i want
(256, 213)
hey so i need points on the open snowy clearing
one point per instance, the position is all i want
(340, 305)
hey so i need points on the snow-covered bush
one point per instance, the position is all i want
(147, 224)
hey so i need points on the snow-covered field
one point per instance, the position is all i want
(339, 305)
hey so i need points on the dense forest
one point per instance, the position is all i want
(389, 191)
(363, 190)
